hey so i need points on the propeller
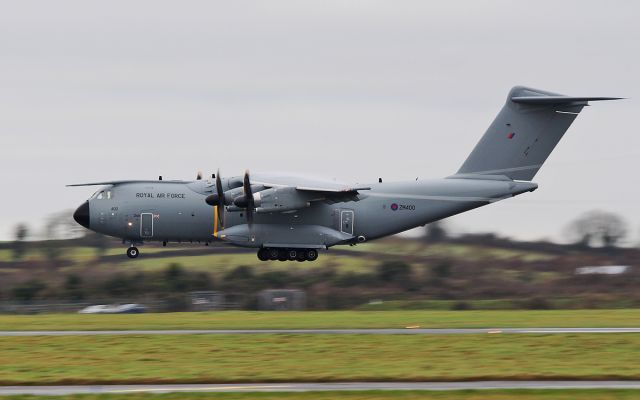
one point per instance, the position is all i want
(245, 201)
(217, 199)
(199, 176)
(248, 197)
(220, 199)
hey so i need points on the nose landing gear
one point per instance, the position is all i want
(132, 252)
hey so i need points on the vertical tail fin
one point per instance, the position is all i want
(524, 133)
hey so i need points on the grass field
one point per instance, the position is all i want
(281, 358)
(327, 319)
(356, 259)
(368, 395)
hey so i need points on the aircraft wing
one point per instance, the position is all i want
(294, 192)
(306, 184)
(343, 189)
(125, 181)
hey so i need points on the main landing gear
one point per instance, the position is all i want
(132, 252)
(300, 255)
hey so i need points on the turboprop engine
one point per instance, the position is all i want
(276, 200)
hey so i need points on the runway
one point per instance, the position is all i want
(406, 331)
(305, 387)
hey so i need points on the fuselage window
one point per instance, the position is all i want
(108, 194)
(100, 195)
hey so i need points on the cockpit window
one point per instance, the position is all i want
(102, 194)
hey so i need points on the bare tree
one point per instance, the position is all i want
(435, 232)
(20, 234)
(59, 226)
(598, 228)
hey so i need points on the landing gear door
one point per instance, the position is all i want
(346, 221)
(146, 225)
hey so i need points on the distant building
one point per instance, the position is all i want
(207, 300)
(282, 300)
(603, 270)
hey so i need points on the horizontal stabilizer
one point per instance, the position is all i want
(558, 99)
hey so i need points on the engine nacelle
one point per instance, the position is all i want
(280, 199)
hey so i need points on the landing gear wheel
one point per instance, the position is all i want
(302, 257)
(132, 252)
(273, 254)
(293, 254)
(263, 254)
(283, 255)
(311, 255)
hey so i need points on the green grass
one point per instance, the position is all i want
(571, 394)
(449, 250)
(442, 305)
(327, 319)
(80, 255)
(281, 358)
(220, 264)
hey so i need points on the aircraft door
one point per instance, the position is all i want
(346, 221)
(146, 225)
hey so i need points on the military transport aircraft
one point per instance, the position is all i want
(291, 218)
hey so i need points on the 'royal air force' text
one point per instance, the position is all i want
(149, 195)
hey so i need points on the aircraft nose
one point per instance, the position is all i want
(82, 214)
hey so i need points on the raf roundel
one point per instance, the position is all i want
(394, 206)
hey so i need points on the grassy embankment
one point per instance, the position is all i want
(366, 395)
(47, 360)
(327, 319)
(219, 261)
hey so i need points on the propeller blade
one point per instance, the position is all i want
(199, 176)
(220, 200)
(248, 197)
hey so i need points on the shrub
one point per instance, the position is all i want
(537, 303)
(353, 279)
(175, 302)
(461, 306)
(442, 269)
(176, 278)
(276, 279)
(119, 285)
(394, 271)
(28, 291)
(242, 272)
(73, 287)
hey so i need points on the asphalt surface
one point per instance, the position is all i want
(305, 387)
(406, 331)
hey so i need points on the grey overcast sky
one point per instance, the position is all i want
(101, 90)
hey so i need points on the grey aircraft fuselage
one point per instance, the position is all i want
(178, 212)
(288, 217)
